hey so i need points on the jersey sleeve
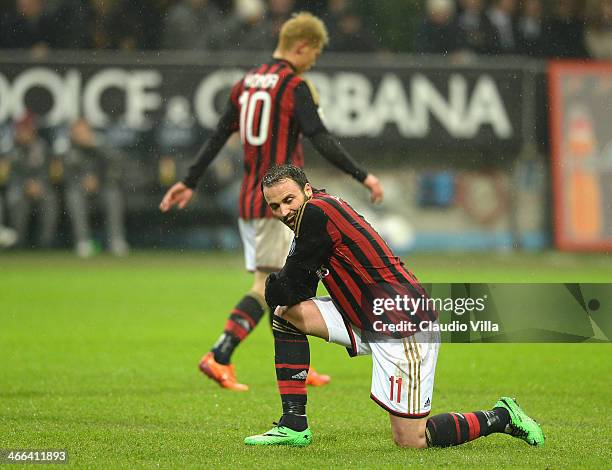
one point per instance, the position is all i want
(227, 125)
(307, 113)
(311, 248)
(307, 110)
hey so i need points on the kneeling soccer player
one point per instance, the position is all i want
(336, 245)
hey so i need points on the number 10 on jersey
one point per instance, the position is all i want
(248, 106)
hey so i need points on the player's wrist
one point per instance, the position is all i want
(361, 175)
(370, 180)
(189, 183)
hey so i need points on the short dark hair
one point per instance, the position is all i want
(283, 172)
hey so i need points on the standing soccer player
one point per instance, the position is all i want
(271, 107)
(336, 245)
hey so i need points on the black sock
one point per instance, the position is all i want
(451, 429)
(224, 347)
(294, 422)
(243, 319)
(292, 361)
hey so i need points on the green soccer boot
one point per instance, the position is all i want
(521, 425)
(281, 436)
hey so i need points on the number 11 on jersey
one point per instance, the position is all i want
(397, 381)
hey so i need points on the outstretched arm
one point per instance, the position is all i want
(181, 193)
(307, 113)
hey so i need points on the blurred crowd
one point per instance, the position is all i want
(77, 171)
(73, 184)
(171, 24)
(539, 28)
(77, 175)
(567, 29)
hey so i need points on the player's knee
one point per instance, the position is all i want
(411, 442)
(408, 433)
(282, 323)
(294, 316)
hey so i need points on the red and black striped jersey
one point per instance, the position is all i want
(269, 130)
(271, 106)
(337, 245)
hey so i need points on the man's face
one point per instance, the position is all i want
(285, 198)
(307, 56)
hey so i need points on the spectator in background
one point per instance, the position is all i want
(334, 11)
(98, 35)
(70, 21)
(8, 236)
(566, 32)
(224, 6)
(532, 30)
(349, 34)
(316, 7)
(28, 27)
(599, 31)
(265, 35)
(280, 11)
(244, 28)
(346, 29)
(190, 24)
(438, 33)
(29, 187)
(477, 34)
(91, 171)
(501, 14)
(134, 24)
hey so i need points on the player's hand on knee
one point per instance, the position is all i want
(270, 300)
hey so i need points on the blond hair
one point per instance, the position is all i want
(302, 26)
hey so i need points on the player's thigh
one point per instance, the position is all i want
(307, 318)
(339, 331)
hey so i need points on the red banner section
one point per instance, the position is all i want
(581, 142)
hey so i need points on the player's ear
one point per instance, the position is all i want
(301, 47)
(308, 190)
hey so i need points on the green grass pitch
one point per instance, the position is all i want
(99, 357)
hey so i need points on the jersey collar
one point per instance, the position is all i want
(286, 62)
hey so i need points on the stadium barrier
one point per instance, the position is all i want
(462, 147)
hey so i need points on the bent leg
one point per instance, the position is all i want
(243, 319)
(451, 429)
(306, 317)
(408, 432)
(264, 252)
(292, 362)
